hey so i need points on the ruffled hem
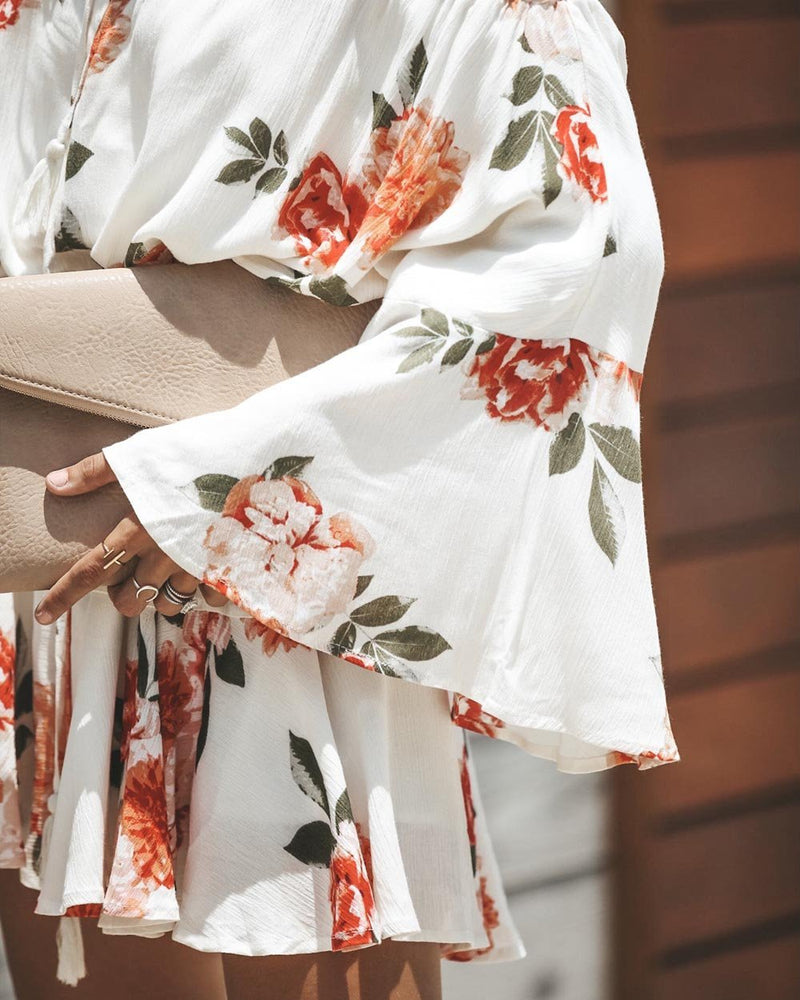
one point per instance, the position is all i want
(145, 866)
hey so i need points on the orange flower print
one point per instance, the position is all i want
(352, 902)
(580, 162)
(469, 714)
(44, 754)
(143, 821)
(540, 380)
(412, 175)
(317, 213)
(175, 691)
(6, 682)
(275, 534)
(621, 373)
(491, 920)
(111, 33)
(271, 641)
(9, 12)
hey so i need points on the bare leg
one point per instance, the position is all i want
(125, 968)
(393, 970)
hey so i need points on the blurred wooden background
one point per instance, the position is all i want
(707, 880)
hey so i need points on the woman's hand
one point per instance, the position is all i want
(127, 551)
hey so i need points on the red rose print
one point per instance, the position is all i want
(271, 641)
(143, 821)
(111, 33)
(275, 533)
(469, 714)
(539, 380)
(318, 213)
(9, 12)
(6, 682)
(580, 161)
(352, 903)
(175, 690)
(412, 175)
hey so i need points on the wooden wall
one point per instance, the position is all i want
(707, 886)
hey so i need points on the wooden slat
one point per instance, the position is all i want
(719, 342)
(726, 733)
(728, 213)
(727, 607)
(768, 971)
(731, 75)
(725, 475)
(720, 877)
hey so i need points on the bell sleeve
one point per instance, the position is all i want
(456, 501)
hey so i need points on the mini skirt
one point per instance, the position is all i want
(203, 776)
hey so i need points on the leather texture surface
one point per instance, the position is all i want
(83, 351)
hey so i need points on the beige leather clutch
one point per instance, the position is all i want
(89, 357)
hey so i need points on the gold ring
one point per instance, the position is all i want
(115, 561)
(140, 587)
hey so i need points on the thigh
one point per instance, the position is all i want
(125, 967)
(393, 970)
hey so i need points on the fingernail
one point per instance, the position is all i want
(59, 477)
(43, 616)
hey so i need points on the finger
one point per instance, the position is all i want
(153, 568)
(92, 569)
(212, 596)
(181, 581)
(89, 474)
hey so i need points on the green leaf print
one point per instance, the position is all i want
(487, 345)
(23, 696)
(289, 465)
(229, 665)
(420, 356)
(271, 180)
(620, 448)
(202, 736)
(280, 149)
(142, 666)
(463, 327)
(69, 236)
(557, 93)
(383, 114)
(413, 642)
(361, 585)
(414, 331)
(411, 74)
(611, 245)
(77, 155)
(516, 144)
(261, 136)
(212, 490)
(457, 351)
(343, 639)
(567, 447)
(332, 290)
(385, 663)
(525, 84)
(241, 138)
(239, 171)
(551, 178)
(313, 844)
(306, 771)
(381, 611)
(436, 321)
(523, 41)
(344, 810)
(23, 737)
(606, 515)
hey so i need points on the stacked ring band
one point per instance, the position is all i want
(186, 602)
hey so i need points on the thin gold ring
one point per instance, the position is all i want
(116, 559)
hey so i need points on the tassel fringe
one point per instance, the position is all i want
(69, 941)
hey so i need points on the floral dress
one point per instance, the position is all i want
(439, 530)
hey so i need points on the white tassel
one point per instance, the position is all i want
(69, 940)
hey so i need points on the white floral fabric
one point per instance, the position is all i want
(446, 518)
